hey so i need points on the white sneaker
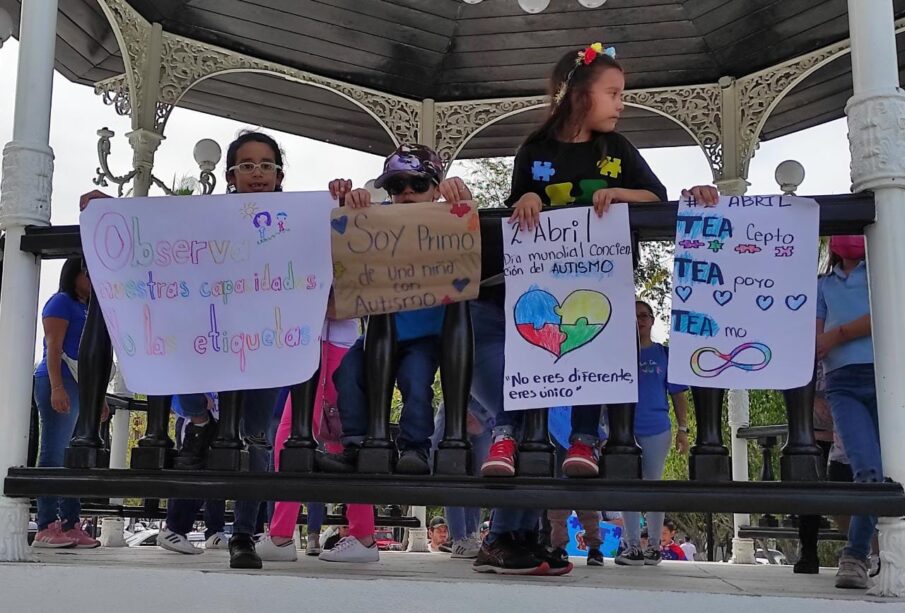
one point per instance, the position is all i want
(176, 542)
(466, 548)
(217, 541)
(313, 547)
(271, 552)
(350, 549)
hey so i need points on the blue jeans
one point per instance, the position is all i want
(56, 431)
(585, 424)
(852, 394)
(317, 512)
(257, 426)
(654, 449)
(489, 323)
(181, 515)
(418, 362)
(464, 521)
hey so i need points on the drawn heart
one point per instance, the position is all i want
(460, 209)
(683, 292)
(764, 302)
(561, 328)
(722, 297)
(461, 284)
(339, 224)
(796, 302)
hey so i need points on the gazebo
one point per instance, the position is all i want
(468, 79)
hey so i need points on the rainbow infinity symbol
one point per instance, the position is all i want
(729, 359)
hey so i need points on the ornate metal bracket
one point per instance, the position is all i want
(104, 174)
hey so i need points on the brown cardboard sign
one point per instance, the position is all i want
(402, 257)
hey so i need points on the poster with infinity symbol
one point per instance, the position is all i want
(744, 293)
(570, 311)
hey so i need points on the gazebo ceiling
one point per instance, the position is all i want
(449, 50)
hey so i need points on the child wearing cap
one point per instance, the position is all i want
(412, 173)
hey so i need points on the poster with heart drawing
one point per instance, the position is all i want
(570, 311)
(744, 293)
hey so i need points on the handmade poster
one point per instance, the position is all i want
(403, 257)
(744, 293)
(570, 311)
(211, 293)
(610, 534)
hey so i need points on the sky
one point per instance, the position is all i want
(77, 114)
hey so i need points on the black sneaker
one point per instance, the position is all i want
(652, 556)
(413, 462)
(630, 556)
(195, 445)
(242, 552)
(595, 558)
(559, 552)
(345, 462)
(507, 557)
(558, 565)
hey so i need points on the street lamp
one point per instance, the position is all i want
(789, 174)
(206, 152)
(207, 155)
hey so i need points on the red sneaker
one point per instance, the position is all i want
(52, 537)
(500, 461)
(82, 539)
(581, 461)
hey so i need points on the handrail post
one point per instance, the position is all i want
(378, 455)
(227, 451)
(621, 457)
(709, 459)
(155, 449)
(453, 456)
(298, 452)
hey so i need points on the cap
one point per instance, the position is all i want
(412, 160)
(437, 521)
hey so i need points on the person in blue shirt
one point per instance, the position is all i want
(412, 173)
(653, 431)
(844, 344)
(57, 396)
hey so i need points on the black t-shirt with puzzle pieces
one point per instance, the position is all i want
(569, 173)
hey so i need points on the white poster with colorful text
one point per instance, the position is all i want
(744, 293)
(570, 311)
(212, 293)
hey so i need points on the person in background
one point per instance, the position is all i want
(437, 534)
(56, 393)
(689, 549)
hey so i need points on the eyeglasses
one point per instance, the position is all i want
(644, 316)
(397, 185)
(246, 168)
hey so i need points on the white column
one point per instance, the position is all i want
(876, 122)
(742, 548)
(418, 536)
(24, 200)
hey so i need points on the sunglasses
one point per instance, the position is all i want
(397, 185)
(246, 168)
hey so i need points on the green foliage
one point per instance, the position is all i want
(490, 180)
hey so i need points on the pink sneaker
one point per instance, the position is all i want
(52, 537)
(82, 539)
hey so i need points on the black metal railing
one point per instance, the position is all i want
(710, 488)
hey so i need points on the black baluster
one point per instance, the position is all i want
(227, 451)
(86, 449)
(378, 454)
(802, 458)
(536, 454)
(297, 455)
(766, 445)
(709, 460)
(621, 457)
(453, 456)
(155, 449)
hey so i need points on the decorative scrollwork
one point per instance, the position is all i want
(456, 122)
(185, 62)
(115, 92)
(26, 185)
(698, 108)
(758, 93)
(133, 34)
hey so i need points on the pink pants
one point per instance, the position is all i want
(285, 513)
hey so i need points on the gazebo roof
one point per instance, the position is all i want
(449, 50)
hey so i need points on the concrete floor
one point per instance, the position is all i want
(156, 580)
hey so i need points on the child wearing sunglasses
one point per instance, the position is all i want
(412, 173)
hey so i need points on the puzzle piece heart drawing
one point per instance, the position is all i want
(561, 328)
